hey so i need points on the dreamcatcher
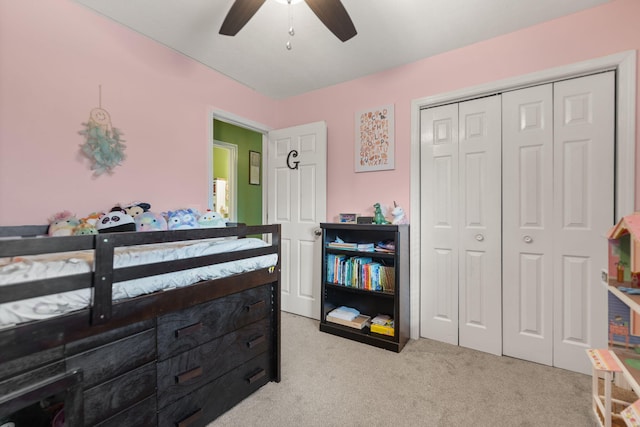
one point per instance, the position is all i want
(103, 144)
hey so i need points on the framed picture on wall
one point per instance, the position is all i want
(254, 167)
(375, 139)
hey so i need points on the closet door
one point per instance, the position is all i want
(527, 187)
(460, 193)
(480, 135)
(558, 198)
(584, 135)
(439, 221)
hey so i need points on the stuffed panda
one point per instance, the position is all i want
(115, 221)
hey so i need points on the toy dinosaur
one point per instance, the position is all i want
(378, 218)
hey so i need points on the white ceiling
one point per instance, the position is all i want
(390, 33)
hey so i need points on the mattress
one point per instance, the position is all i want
(22, 269)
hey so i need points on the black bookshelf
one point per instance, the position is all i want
(393, 302)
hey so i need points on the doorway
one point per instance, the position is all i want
(229, 172)
(225, 177)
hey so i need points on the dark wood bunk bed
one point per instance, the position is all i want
(178, 357)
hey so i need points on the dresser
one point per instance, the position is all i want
(181, 368)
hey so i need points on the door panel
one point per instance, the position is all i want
(527, 147)
(439, 219)
(479, 228)
(297, 193)
(584, 126)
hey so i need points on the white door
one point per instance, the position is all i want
(460, 185)
(558, 198)
(584, 135)
(527, 170)
(439, 223)
(480, 281)
(296, 199)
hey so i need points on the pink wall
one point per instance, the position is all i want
(597, 32)
(54, 54)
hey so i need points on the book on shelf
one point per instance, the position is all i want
(359, 272)
(343, 245)
(388, 247)
(348, 316)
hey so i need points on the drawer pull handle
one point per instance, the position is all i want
(255, 306)
(255, 377)
(189, 375)
(190, 419)
(188, 330)
(256, 341)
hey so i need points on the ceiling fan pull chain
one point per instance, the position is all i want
(291, 31)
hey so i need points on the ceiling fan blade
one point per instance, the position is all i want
(334, 16)
(240, 13)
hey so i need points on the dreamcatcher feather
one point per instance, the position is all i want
(103, 144)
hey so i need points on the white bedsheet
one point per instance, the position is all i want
(23, 269)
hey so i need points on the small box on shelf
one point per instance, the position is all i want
(383, 329)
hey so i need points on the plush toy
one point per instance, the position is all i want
(85, 228)
(378, 218)
(115, 221)
(150, 221)
(182, 219)
(92, 218)
(137, 208)
(211, 219)
(399, 216)
(62, 224)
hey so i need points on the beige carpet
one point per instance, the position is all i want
(332, 381)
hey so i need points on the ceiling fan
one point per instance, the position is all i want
(331, 12)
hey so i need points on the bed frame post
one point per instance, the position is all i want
(103, 279)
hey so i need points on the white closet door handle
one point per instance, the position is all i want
(479, 237)
(527, 239)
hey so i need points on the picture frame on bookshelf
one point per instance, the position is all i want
(348, 218)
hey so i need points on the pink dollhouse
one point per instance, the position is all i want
(624, 251)
(621, 357)
(622, 278)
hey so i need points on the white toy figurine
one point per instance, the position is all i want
(398, 214)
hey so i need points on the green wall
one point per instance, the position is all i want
(249, 199)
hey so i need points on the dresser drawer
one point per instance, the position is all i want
(109, 398)
(110, 360)
(142, 414)
(210, 401)
(189, 328)
(190, 370)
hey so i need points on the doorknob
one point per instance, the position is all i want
(527, 239)
(479, 237)
(317, 232)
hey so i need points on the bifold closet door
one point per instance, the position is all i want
(439, 223)
(527, 188)
(558, 199)
(461, 219)
(583, 170)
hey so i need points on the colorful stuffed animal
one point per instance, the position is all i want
(150, 221)
(137, 208)
(92, 218)
(62, 224)
(211, 219)
(182, 219)
(399, 216)
(115, 221)
(85, 228)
